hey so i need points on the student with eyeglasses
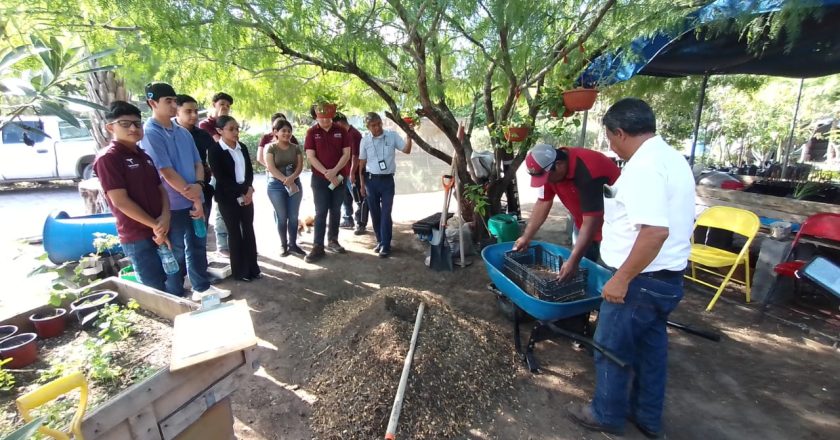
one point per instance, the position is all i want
(134, 192)
(577, 177)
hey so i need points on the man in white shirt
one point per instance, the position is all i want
(377, 159)
(648, 221)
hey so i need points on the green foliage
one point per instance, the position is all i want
(476, 195)
(99, 363)
(806, 189)
(116, 323)
(104, 242)
(60, 293)
(55, 371)
(26, 431)
(7, 380)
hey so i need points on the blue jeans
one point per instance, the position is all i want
(327, 203)
(380, 201)
(286, 209)
(146, 263)
(191, 253)
(348, 203)
(635, 332)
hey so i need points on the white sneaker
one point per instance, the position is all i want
(221, 293)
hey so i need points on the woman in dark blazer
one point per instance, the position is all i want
(231, 165)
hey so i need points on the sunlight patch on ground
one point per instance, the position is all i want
(372, 285)
(304, 395)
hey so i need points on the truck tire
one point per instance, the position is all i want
(87, 171)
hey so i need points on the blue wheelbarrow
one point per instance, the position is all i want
(569, 318)
(553, 319)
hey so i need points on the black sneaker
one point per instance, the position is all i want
(295, 249)
(315, 254)
(360, 230)
(333, 246)
(286, 251)
(377, 248)
(384, 253)
(346, 224)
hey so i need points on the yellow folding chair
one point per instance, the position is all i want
(739, 221)
(50, 392)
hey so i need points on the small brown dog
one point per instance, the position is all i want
(308, 222)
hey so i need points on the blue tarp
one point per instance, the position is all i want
(815, 51)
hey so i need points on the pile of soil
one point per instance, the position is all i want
(461, 365)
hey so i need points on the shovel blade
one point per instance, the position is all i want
(440, 258)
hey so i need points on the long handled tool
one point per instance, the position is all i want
(464, 262)
(440, 256)
(695, 331)
(391, 433)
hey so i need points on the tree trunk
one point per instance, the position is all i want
(103, 88)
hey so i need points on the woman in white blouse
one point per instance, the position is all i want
(231, 165)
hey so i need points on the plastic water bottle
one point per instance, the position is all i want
(340, 179)
(199, 227)
(170, 265)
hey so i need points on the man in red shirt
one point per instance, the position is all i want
(222, 103)
(328, 150)
(577, 177)
(134, 192)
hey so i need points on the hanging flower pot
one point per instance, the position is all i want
(517, 133)
(325, 110)
(7, 330)
(86, 308)
(21, 348)
(49, 323)
(579, 99)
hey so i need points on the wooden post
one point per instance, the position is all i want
(792, 129)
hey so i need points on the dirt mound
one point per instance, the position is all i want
(460, 365)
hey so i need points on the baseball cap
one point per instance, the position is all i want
(158, 90)
(539, 161)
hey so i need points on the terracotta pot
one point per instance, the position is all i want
(579, 99)
(21, 348)
(328, 111)
(86, 308)
(50, 323)
(517, 134)
(7, 331)
(409, 120)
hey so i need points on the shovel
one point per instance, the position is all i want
(440, 257)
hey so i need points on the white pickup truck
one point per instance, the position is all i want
(29, 156)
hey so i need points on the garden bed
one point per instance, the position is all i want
(149, 401)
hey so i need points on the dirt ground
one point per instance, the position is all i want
(761, 381)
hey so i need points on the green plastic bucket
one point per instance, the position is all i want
(504, 227)
(127, 273)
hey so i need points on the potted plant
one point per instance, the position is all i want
(516, 129)
(49, 322)
(86, 308)
(552, 99)
(103, 261)
(22, 349)
(325, 104)
(579, 99)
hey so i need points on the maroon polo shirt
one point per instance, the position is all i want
(582, 191)
(209, 125)
(133, 171)
(328, 146)
(355, 141)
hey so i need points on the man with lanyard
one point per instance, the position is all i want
(648, 221)
(173, 151)
(577, 177)
(377, 159)
(352, 168)
(328, 150)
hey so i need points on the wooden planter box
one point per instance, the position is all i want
(192, 403)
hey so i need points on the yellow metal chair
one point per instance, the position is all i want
(739, 221)
(50, 392)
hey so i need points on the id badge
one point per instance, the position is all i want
(382, 166)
